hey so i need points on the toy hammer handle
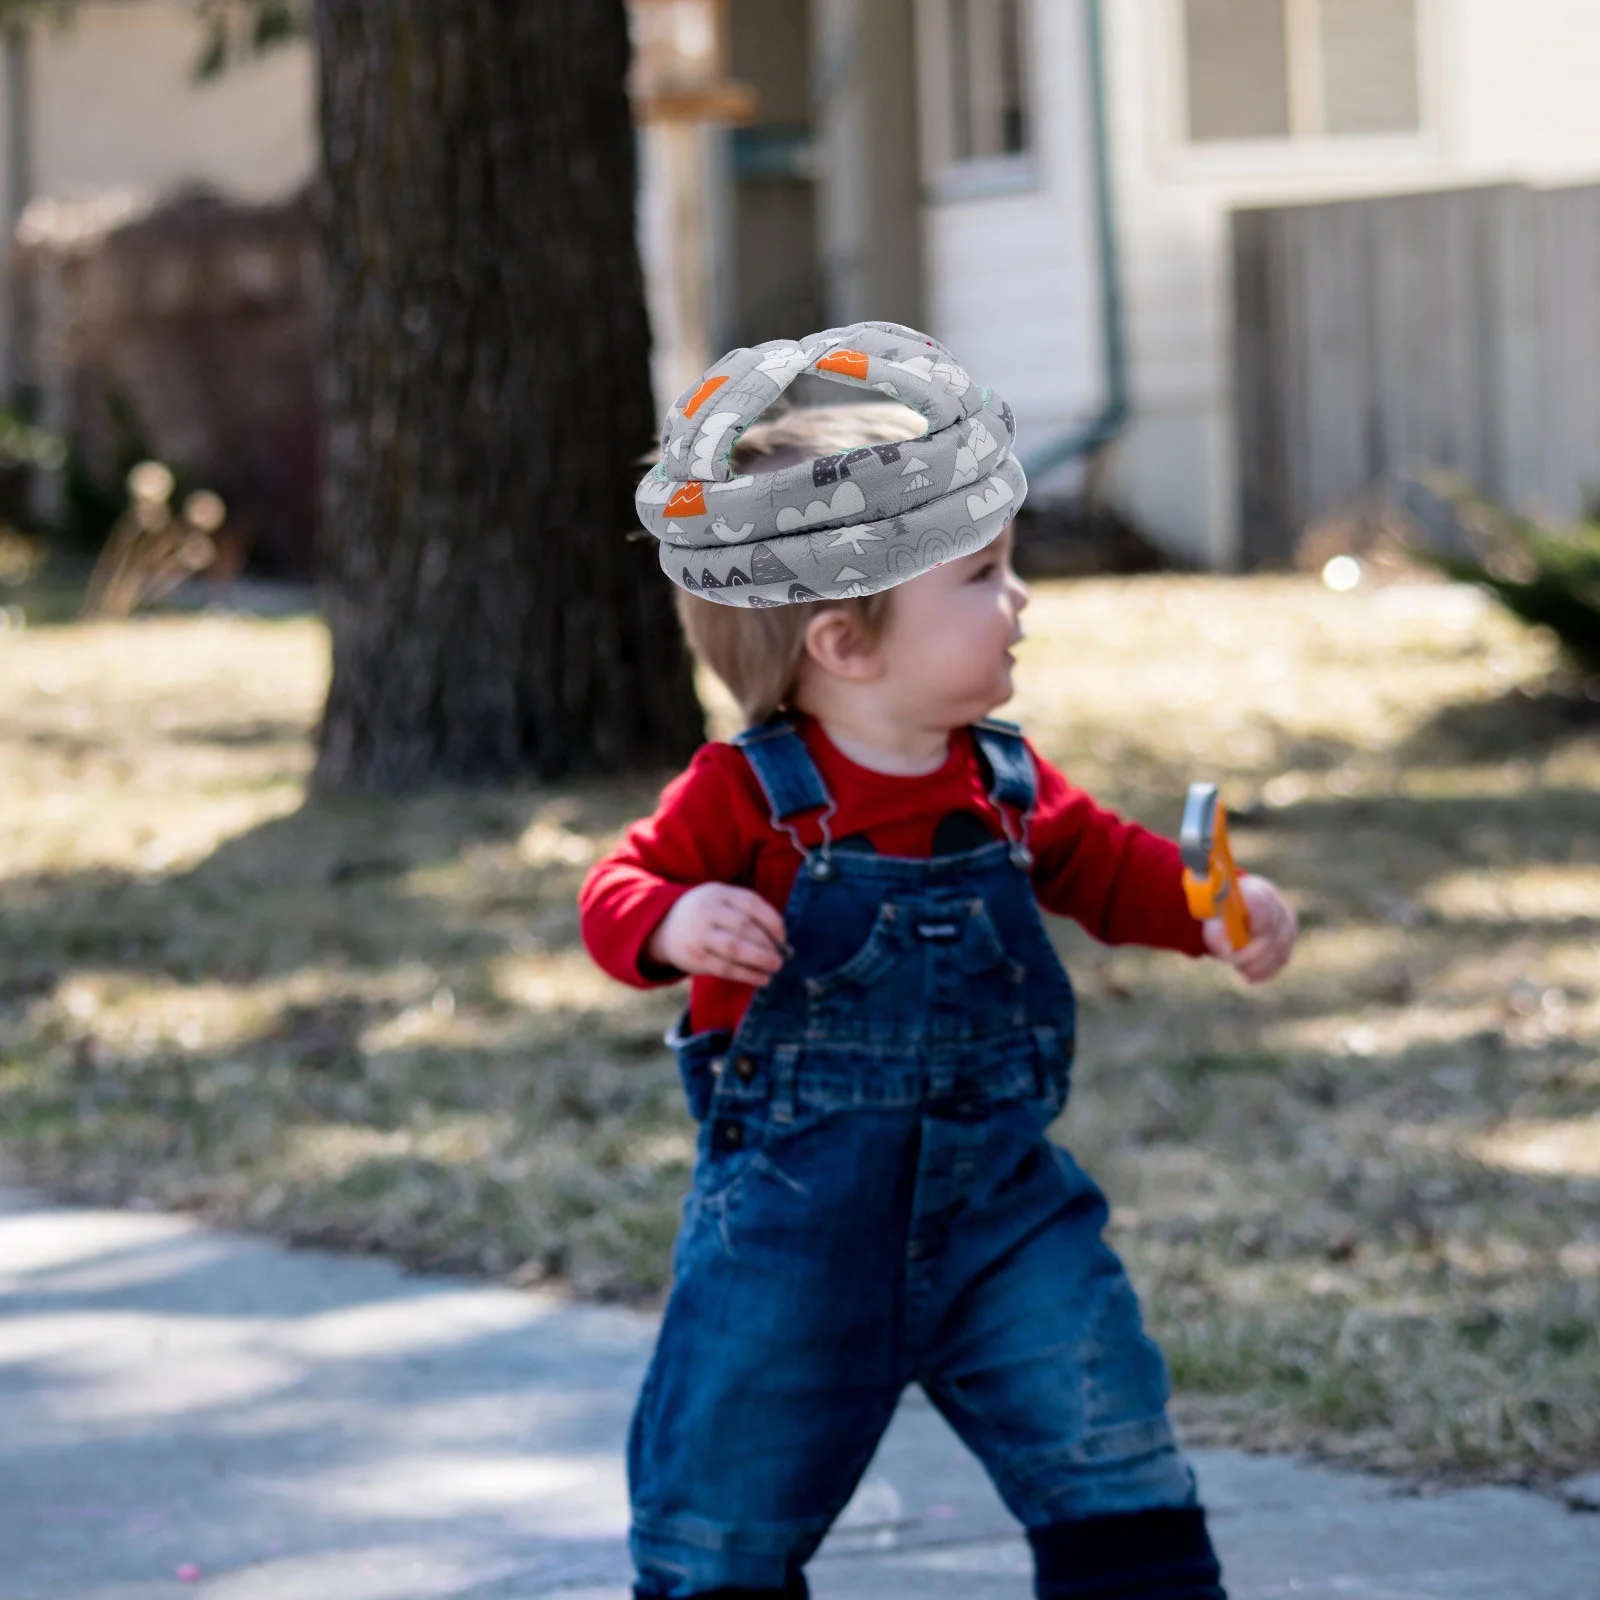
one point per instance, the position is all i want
(1210, 878)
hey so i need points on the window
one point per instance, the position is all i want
(974, 84)
(1369, 66)
(1280, 69)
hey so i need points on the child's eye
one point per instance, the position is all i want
(987, 570)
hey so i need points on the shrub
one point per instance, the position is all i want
(1548, 576)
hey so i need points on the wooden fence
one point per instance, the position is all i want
(1459, 328)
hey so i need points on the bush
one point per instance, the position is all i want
(1547, 576)
(24, 449)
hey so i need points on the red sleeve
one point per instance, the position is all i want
(1122, 882)
(697, 834)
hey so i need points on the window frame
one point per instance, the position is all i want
(1306, 143)
(945, 177)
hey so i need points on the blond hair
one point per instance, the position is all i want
(757, 653)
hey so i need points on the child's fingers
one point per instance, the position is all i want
(758, 937)
(753, 918)
(743, 944)
(748, 946)
(1269, 911)
(773, 951)
(737, 974)
(1220, 945)
(747, 903)
(1256, 962)
(715, 964)
(1263, 956)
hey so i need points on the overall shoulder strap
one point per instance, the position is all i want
(784, 768)
(1005, 753)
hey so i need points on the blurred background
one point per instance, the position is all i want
(1298, 305)
(1270, 248)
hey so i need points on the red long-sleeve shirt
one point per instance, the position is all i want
(712, 825)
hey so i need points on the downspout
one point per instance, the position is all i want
(19, 191)
(1102, 429)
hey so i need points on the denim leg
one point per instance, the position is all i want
(778, 1367)
(1041, 1363)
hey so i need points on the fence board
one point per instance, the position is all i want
(1337, 444)
(1460, 328)
(1570, 259)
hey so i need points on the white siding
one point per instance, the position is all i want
(1525, 88)
(115, 105)
(1508, 91)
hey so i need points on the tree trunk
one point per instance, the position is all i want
(488, 400)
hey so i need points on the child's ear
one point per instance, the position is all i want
(837, 645)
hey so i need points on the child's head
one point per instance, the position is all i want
(936, 645)
(837, 554)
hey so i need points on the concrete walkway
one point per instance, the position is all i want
(299, 1426)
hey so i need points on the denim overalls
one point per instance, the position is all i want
(875, 1203)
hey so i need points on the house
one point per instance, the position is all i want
(105, 103)
(160, 291)
(1048, 187)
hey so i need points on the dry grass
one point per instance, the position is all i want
(1363, 1205)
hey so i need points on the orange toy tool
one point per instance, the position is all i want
(1210, 879)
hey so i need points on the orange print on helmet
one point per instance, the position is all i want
(702, 394)
(849, 363)
(689, 500)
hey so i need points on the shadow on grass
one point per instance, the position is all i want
(1349, 1249)
(240, 736)
(367, 1023)
(563, 1152)
(1520, 724)
(432, 1070)
(335, 882)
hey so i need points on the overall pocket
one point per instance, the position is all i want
(729, 1145)
(741, 1171)
(699, 1058)
(971, 972)
(982, 953)
(876, 956)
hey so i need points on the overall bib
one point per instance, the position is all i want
(875, 1203)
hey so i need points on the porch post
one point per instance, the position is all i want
(869, 188)
(19, 190)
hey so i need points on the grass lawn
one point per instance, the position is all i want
(1363, 1206)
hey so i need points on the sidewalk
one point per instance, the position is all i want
(302, 1426)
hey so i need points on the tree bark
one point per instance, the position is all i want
(487, 394)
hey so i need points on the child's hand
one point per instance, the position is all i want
(1273, 931)
(723, 932)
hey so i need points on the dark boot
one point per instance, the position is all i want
(1143, 1555)
(796, 1590)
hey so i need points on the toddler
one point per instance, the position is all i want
(879, 1031)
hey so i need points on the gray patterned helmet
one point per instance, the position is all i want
(838, 525)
